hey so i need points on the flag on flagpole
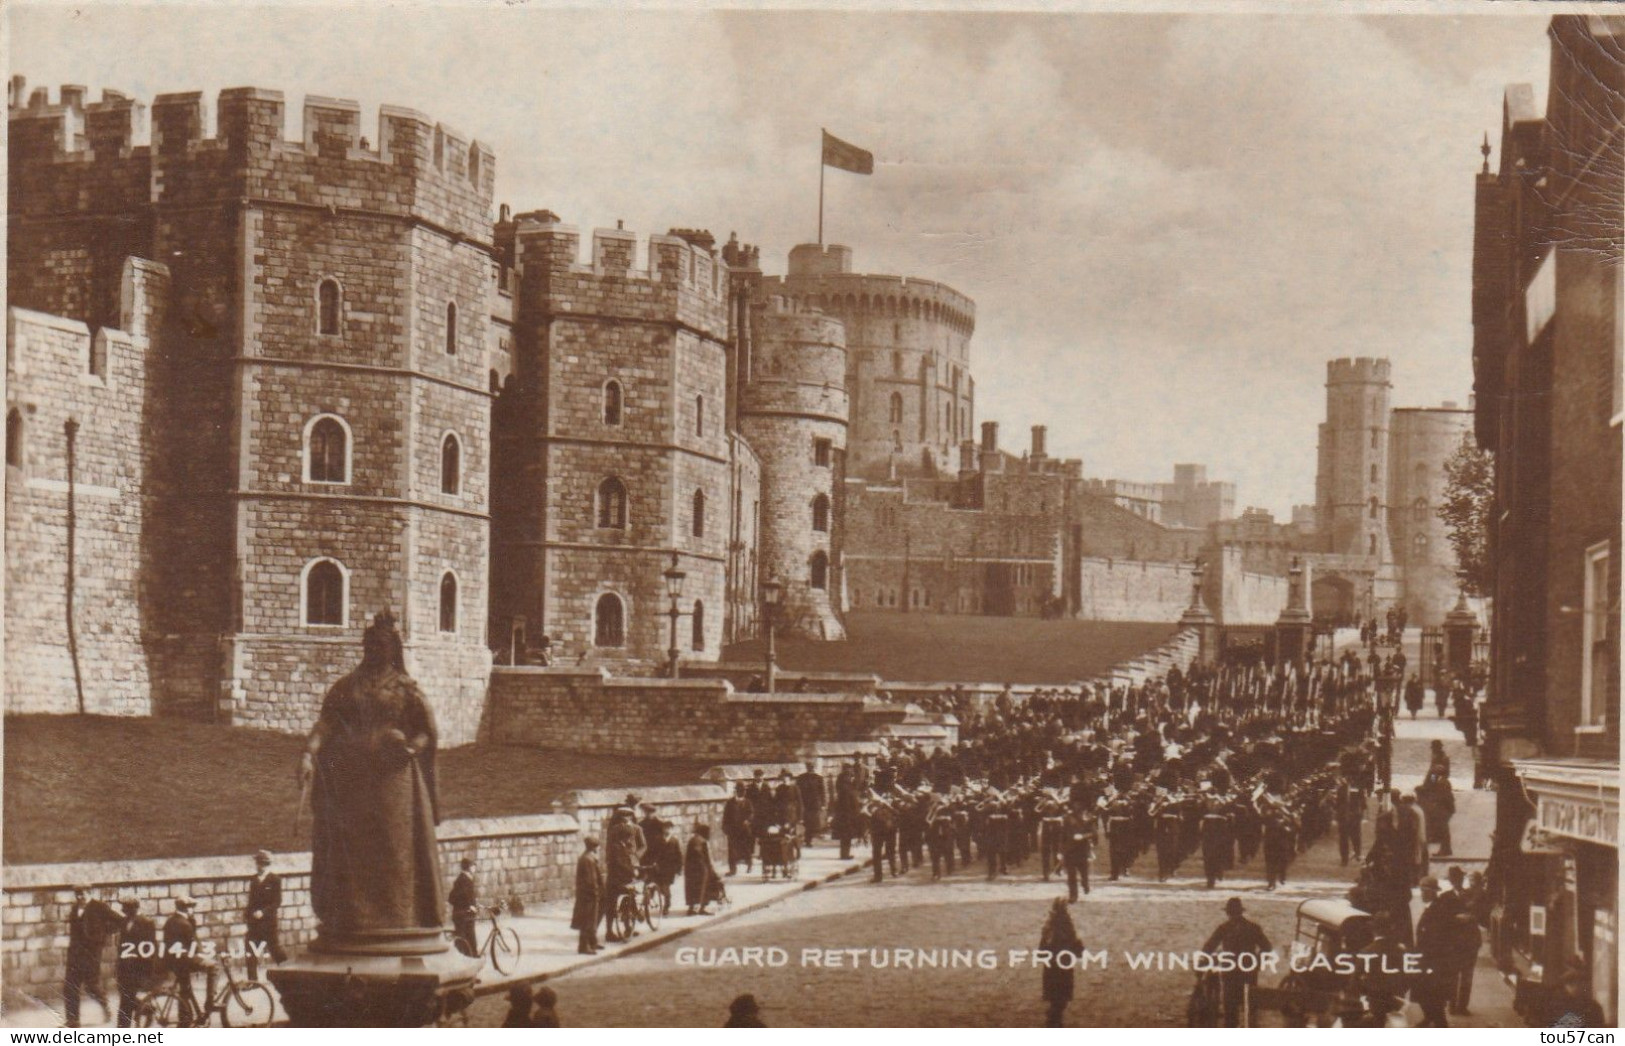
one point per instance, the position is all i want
(846, 156)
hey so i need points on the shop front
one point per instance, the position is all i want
(1558, 915)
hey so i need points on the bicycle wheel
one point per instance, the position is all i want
(651, 909)
(162, 1010)
(248, 1005)
(505, 949)
(626, 917)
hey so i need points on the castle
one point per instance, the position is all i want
(261, 389)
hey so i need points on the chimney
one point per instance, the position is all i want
(967, 458)
(1038, 442)
(990, 436)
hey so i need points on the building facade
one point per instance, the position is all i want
(1548, 345)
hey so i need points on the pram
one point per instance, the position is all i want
(781, 851)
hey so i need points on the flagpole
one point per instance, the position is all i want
(820, 195)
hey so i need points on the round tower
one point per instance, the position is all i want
(1423, 440)
(1351, 487)
(793, 413)
(907, 360)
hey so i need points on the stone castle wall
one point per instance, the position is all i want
(1133, 590)
(1420, 442)
(587, 711)
(59, 374)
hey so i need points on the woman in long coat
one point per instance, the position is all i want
(1059, 937)
(699, 875)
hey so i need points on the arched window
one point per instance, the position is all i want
(327, 450)
(612, 504)
(896, 408)
(820, 571)
(328, 301)
(451, 464)
(1420, 542)
(699, 415)
(699, 513)
(1373, 472)
(448, 602)
(897, 363)
(451, 328)
(613, 401)
(609, 621)
(896, 441)
(1371, 545)
(14, 438)
(820, 509)
(325, 595)
(1371, 507)
(1419, 510)
(697, 635)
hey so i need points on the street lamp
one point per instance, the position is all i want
(674, 588)
(772, 594)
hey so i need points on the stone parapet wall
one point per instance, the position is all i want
(528, 858)
(587, 711)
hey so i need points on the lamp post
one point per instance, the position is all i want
(674, 576)
(772, 593)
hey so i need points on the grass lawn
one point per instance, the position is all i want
(106, 788)
(949, 647)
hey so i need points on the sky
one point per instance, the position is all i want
(1169, 222)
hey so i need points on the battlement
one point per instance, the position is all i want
(449, 174)
(741, 255)
(902, 297)
(670, 261)
(1362, 371)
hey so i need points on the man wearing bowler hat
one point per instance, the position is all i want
(1241, 938)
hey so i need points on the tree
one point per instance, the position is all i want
(1469, 493)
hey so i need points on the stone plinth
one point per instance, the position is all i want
(338, 989)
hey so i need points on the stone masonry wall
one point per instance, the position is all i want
(529, 858)
(58, 372)
(587, 711)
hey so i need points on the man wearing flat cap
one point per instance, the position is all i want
(183, 958)
(1238, 936)
(264, 902)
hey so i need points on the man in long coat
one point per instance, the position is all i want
(848, 820)
(89, 924)
(263, 915)
(137, 958)
(700, 883)
(589, 897)
(813, 801)
(737, 814)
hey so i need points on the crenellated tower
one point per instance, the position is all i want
(614, 450)
(908, 360)
(316, 424)
(1351, 483)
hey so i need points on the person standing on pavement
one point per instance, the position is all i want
(621, 863)
(1349, 808)
(700, 883)
(181, 958)
(589, 897)
(464, 903)
(1437, 939)
(263, 915)
(848, 820)
(137, 957)
(737, 829)
(813, 801)
(1469, 940)
(90, 922)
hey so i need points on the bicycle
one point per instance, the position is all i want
(240, 1004)
(640, 901)
(501, 945)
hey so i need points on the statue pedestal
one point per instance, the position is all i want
(359, 985)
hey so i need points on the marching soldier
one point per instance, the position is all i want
(883, 836)
(1217, 844)
(962, 830)
(911, 829)
(1119, 836)
(939, 838)
(995, 836)
(1166, 816)
(1050, 815)
(1077, 844)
